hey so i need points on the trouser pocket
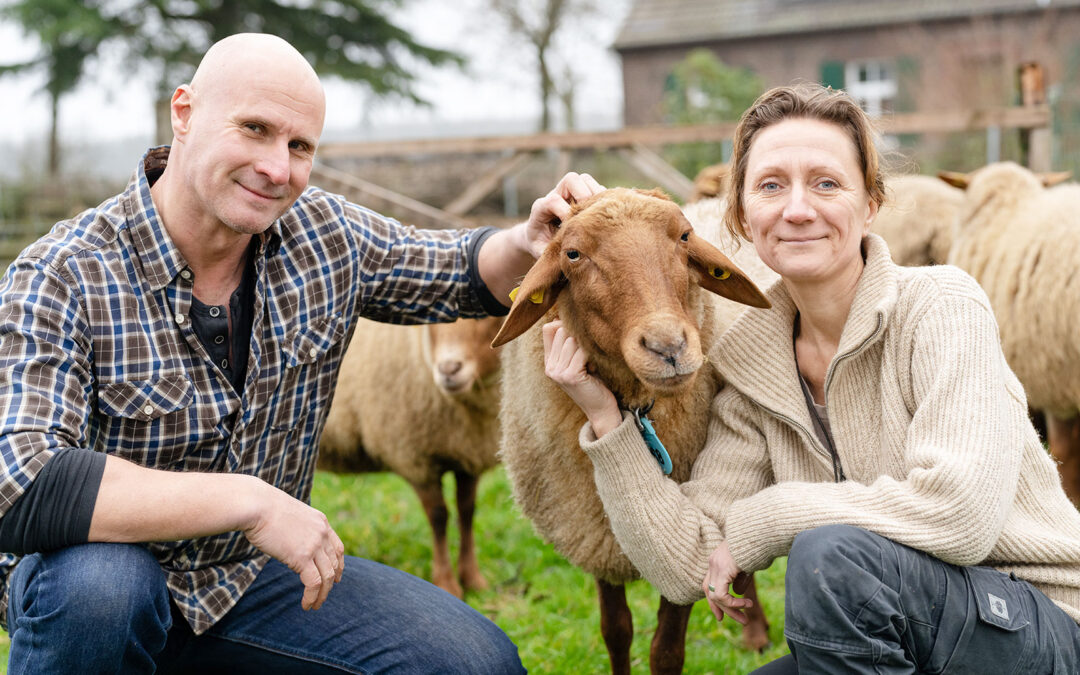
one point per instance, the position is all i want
(997, 633)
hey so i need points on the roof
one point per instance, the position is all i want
(670, 22)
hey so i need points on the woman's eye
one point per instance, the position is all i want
(573, 255)
(828, 184)
(685, 236)
(770, 186)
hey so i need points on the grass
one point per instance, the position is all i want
(546, 606)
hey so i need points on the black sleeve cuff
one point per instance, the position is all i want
(476, 284)
(55, 511)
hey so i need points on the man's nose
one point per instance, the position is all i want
(274, 163)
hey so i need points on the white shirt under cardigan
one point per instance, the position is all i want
(930, 424)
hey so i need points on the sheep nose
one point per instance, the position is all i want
(667, 348)
(449, 367)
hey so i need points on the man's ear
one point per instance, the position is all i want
(180, 110)
(718, 274)
(534, 297)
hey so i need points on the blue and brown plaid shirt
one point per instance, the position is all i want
(97, 351)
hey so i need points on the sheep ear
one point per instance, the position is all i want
(718, 274)
(533, 298)
(955, 178)
(1052, 179)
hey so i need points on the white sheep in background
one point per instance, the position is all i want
(918, 219)
(625, 274)
(1020, 241)
(421, 401)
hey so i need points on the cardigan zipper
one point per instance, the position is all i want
(814, 442)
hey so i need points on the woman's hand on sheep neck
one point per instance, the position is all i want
(564, 363)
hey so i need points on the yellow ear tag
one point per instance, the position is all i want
(537, 297)
(720, 273)
(513, 293)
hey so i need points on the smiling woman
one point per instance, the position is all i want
(869, 428)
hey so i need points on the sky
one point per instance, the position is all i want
(498, 87)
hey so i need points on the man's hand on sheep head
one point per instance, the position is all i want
(549, 211)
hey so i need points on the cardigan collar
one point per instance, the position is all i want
(756, 356)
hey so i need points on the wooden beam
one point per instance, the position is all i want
(1028, 117)
(487, 183)
(655, 168)
(359, 190)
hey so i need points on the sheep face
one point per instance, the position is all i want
(459, 353)
(622, 273)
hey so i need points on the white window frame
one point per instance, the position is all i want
(871, 93)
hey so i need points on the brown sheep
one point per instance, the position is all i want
(624, 274)
(421, 401)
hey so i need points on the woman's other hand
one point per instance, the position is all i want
(564, 363)
(724, 573)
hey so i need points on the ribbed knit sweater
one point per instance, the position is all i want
(930, 424)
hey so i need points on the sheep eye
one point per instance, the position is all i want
(572, 254)
(685, 236)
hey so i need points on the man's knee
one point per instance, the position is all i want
(110, 586)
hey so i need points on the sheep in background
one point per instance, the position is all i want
(421, 401)
(1019, 240)
(642, 319)
(918, 219)
(712, 181)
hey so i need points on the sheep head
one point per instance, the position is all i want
(622, 273)
(458, 353)
(990, 186)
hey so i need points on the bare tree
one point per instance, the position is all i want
(539, 23)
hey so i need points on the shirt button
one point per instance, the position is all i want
(180, 319)
(219, 339)
(215, 311)
(149, 410)
(224, 363)
(313, 352)
(186, 273)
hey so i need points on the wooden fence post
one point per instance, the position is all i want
(1035, 144)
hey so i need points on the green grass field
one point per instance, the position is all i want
(546, 606)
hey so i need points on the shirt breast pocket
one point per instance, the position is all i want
(148, 421)
(305, 352)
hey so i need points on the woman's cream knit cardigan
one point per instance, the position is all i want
(930, 424)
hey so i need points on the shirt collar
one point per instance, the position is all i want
(159, 257)
(756, 356)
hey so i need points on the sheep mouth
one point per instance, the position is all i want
(454, 385)
(670, 382)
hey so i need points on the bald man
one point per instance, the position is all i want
(166, 364)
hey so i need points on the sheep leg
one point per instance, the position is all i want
(468, 568)
(1064, 441)
(442, 574)
(668, 649)
(755, 635)
(616, 625)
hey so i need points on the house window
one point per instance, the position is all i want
(872, 84)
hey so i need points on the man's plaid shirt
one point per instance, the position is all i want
(97, 351)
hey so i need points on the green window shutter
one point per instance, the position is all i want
(832, 74)
(907, 83)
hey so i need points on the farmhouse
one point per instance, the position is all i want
(897, 56)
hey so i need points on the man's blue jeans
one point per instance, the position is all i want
(104, 608)
(860, 603)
